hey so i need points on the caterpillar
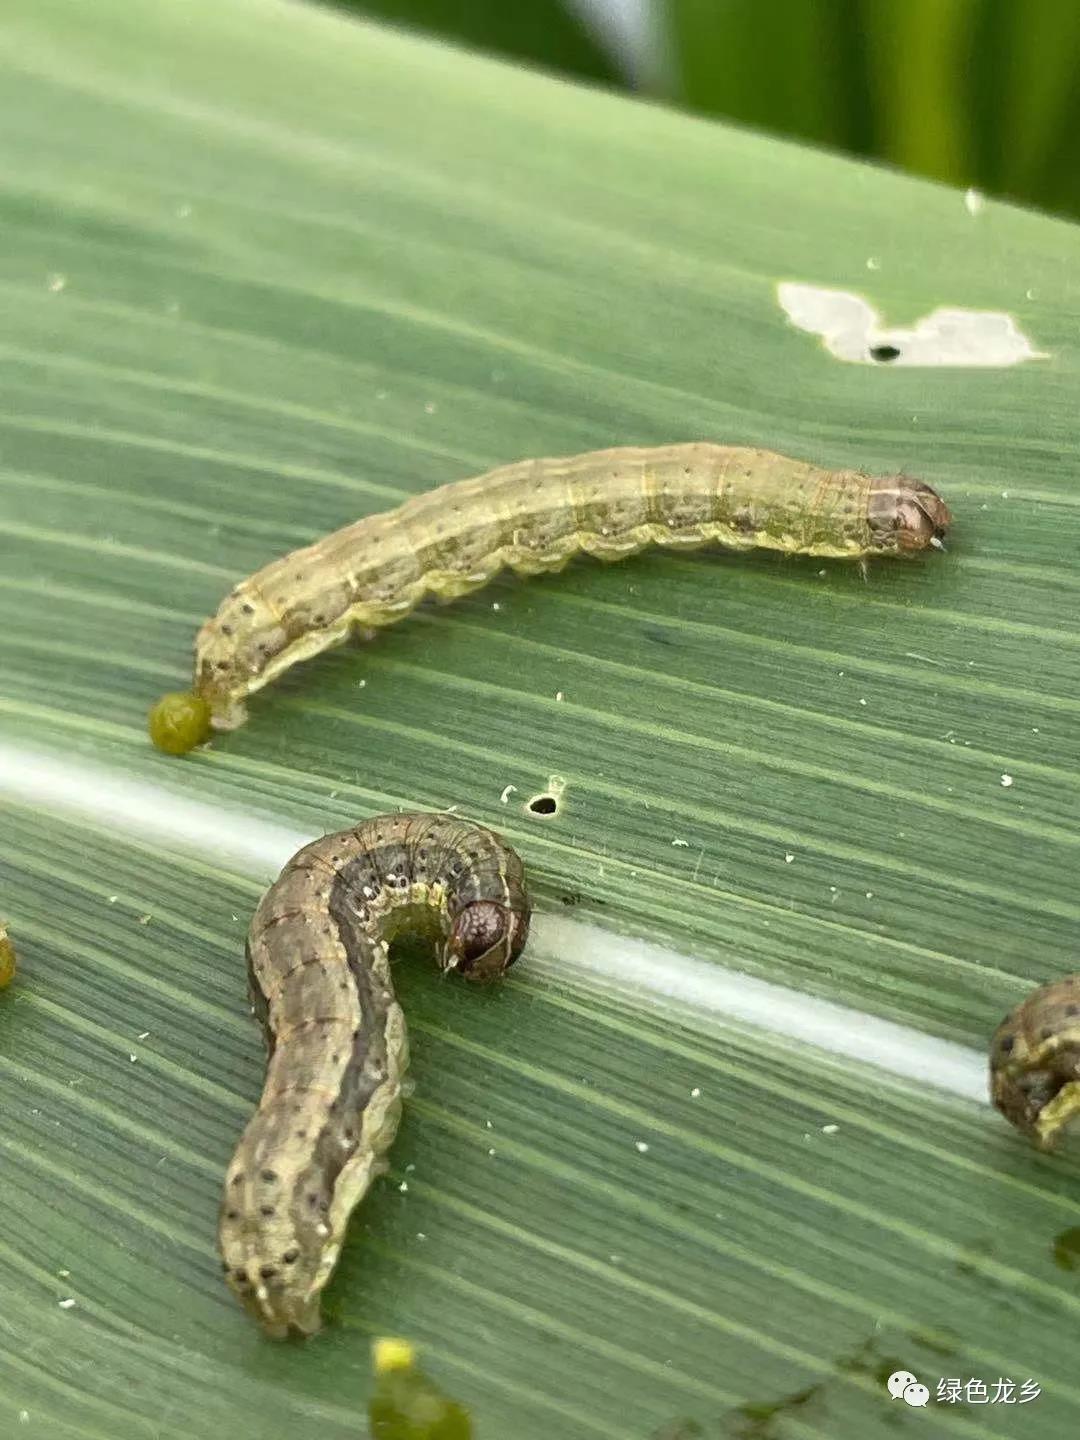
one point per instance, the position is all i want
(319, 979)
(7, 959)
(532, 516)
(1035, 1061)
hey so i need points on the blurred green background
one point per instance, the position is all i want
(982, 93)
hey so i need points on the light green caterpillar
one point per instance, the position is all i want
(532, 517)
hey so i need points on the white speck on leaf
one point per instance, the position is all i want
(641, 1146)
(1006, 781)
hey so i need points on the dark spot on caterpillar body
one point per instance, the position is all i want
(321, 1169)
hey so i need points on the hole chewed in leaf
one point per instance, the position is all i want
(852, 330)
(549, 801)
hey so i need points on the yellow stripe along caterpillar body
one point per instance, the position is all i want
(320, 984)
(532, 516)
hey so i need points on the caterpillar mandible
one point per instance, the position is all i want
(1035, 1061)
(532, 516)
(320, 984)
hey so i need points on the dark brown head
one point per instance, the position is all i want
(486, 939)
(905, 515)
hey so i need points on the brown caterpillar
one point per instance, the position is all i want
(1035, 1061)
(320, 984)
(533, 517)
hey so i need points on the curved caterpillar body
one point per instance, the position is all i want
(1035, 1061)
(533, 517)
(320, 984)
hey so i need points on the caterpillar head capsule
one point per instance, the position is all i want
(906, 516)
(486, 939)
